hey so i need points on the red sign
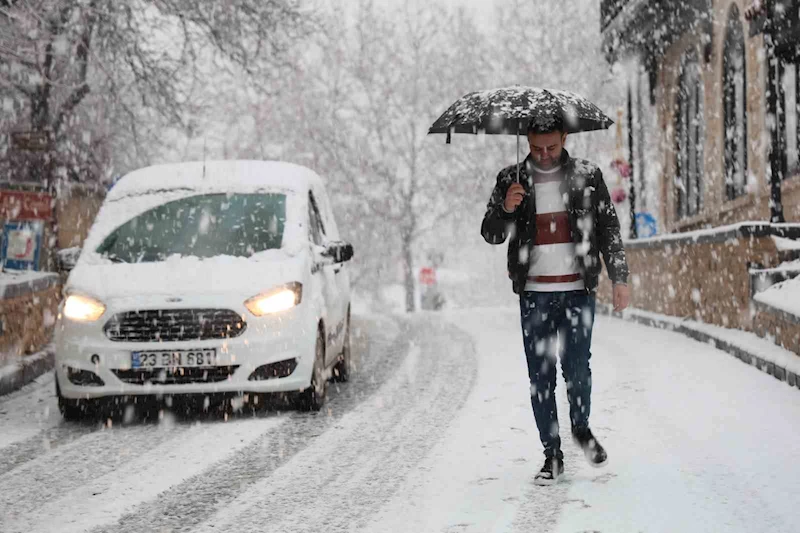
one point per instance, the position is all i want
(427, 276)
(22, 205)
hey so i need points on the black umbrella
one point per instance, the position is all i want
(511, 109)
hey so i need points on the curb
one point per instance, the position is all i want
(28, 369)
(768, 367)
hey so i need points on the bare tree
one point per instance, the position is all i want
(399, 67)
(81, 69)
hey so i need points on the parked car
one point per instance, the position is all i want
(205, 278)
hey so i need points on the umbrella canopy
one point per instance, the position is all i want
(510, 110)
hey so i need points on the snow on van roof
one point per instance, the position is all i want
(219, 176)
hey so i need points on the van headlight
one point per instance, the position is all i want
(276, 301)
(83, 308)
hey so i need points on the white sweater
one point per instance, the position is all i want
(553, 267)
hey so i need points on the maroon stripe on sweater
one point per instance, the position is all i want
(552, 228)
(547, 178)
(571, 278)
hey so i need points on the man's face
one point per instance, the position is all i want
(546, 148)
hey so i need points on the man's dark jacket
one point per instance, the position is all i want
(594, 225)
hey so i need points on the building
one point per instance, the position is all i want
(712, 81)
(714, 140)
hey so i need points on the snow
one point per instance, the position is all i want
(450, 276)
(783, 244)
(11, 364)
(222, 275)
(436, 435)
(155, 469)
(215, 176)
(699, 234)
(784, 296)
(22, 414)
(787, 266)
(495, 105)
(750, 342)
(20, 277)
(678, 455)
(15, 277)
(688, 428)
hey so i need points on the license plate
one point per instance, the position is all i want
(174, 358)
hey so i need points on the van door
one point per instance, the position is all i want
(332, 315)
(343, 270)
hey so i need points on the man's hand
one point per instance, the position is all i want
(622, 297)
(514, 197)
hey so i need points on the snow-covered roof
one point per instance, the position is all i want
(217, 176)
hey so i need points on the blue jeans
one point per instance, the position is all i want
(547, 318)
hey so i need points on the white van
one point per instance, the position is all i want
(203, 278)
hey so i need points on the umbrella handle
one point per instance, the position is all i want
(517, 152)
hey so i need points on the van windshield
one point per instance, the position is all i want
(201, 226)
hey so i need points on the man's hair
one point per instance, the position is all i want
(546, 123)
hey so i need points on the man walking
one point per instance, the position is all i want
(560, 220)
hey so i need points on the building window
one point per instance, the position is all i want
(735, 107)
(788, 123)
(689, 138)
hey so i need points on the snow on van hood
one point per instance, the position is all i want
(186, 276)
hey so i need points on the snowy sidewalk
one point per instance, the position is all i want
(697, 441)
(757, 351)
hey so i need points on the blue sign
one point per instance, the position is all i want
(22, 245)
(646, 225)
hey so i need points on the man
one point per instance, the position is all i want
(560, 220)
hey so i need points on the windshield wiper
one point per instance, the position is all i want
(114, 258)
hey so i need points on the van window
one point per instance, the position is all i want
(202, 226)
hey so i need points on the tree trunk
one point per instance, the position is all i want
(408, 269)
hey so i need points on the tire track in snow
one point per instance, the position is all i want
(379, 346)
(70, 466)
(106, 498)
(342, 480)
(31, 424)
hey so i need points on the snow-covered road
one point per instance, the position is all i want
(435, 433)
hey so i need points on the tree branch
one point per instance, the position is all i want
(82, 53)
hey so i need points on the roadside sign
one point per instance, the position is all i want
(427, 276)
(24, 205)
(646, 225)
(22, 245)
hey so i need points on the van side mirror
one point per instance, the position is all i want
(338, 252)
(331, 254)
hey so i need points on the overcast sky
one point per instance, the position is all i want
(482, 8)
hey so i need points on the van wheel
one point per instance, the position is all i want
(75, 410)
(342, 370)
(313, 398)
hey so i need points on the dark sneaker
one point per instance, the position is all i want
(550, 472)
(594, 452)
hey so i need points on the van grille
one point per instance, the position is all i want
(166, 325)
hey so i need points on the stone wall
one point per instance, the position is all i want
(28, 312)
(700, 275)
(783, 328)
